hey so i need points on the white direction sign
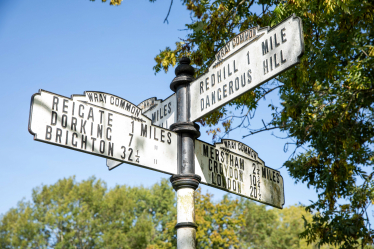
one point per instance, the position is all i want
(234, 167)
(104, 125)
(161, 112)
(247, 61)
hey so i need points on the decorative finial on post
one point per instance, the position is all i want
(184, 73)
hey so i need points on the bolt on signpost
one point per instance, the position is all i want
(161, 134)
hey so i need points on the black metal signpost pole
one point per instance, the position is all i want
(186, 181)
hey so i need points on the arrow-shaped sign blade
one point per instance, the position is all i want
(247, 61)
(104, 125)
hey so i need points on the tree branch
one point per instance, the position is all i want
(261, 130)
(166, 18)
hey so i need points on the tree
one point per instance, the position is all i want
(86, 214)
(326, 104)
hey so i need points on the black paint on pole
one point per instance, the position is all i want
(186, 181)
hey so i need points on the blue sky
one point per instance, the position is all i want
(70, 46)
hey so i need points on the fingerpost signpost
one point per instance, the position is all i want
(161, 134)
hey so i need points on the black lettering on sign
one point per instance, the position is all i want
(143, 130)
(162, 136)
(75, 135)
(99, 131)
(213, 97)
(283, 60)
(48, 132)
(137, 156)
(90, 114)
(84, 142)
(110, 149)
(123, 156)
(275, 41)
(93, 143)
(271, 43)
(55, 103)
(109, 137)
(74, 124)
(249, 76)
(131, 151)
(131, 135)
(169, 137)
(210, 164)
(276, 64)
(235, 69)
(102, 147)
(58, 135)
(231, 89)
(241, 164)
(83, 128)
(283, 35)
(153, 117)
(266, 66)
(215, 167)
(109, 119)
(207, 103)
(67, 138)
(205, 150)
(122, 104)
(128, 107)
(219, 96)
(80, 113)
(101, 116)
(237, 83)
(54, 118)
(64, 106)
(263, 172)
(265, 48)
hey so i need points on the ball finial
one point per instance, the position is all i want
(184, 67)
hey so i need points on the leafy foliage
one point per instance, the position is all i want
(326, 102)
(86, 214)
